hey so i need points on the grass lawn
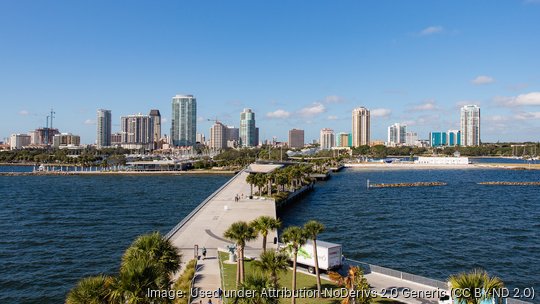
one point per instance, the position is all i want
(285, 280)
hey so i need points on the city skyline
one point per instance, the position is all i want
(297, 73)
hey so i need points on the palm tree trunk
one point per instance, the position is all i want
(264, 242)
(293, 298)
(317, 266)
(238, 268)
(251, 190)
(242, 264)
(269, 187)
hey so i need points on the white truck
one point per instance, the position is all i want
(329, 256)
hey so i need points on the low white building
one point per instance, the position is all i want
(442, 161)
(18, 141)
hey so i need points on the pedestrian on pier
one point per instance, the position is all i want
(204, 253)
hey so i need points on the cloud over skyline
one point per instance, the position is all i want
(483, 79)
(278, 114)
(430, 30)
(314, 109)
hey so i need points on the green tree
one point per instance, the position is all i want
(263, 224)
(272, 262)
(294, 237)
(313, 229)
(251, 179)
(476, 280)
(256, 283)
(354, 281)
(240, 233)
(91, 290)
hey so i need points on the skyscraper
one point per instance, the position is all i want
(248, 131)
(156, 121)
(327, 139)
(360, 127)
(137, 132)
(397, 134)
(343, 139)
(218, 136)
(103, 128)
(184, 120)
(296, 138)
(470, 125)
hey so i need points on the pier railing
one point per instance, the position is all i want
(200, 206)
(400, 275)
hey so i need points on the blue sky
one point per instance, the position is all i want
(297, 64)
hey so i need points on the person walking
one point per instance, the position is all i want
(204, 253)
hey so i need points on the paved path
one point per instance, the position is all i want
(207, 226)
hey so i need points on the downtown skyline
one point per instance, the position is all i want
(296, 73)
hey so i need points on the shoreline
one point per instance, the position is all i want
(402, 166)
(95, 173)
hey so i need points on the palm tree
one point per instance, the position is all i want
(354, 280)
(136, 277)
(281, 180)
(240, 232)
(313, 229)
(91, 290)
(263, 224)
(474, 281)
(260, 181)
(257, 284)
(272, 262)
(295, 237)
(251, 180)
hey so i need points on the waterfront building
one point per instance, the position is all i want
(104, 129)
(411, 139)
(66, 140)
(156, 121)
(470, 125)
(343, 139)
(360, 127)
(233, 133)
(218, 136)
(116, 139)
(137, 132)
(376, 142)
(327, 140)
(18, 141)
(184, 120)
(397, 134)
(438, 139)
(422, 160)
(454, 138)
(249, 136)
(42, 136)
(296, 138)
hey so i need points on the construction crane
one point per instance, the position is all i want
(214, 120)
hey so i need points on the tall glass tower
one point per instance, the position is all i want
(103, 128)
(360, 127)
(248, 131)
(184, 120)
(470, 125)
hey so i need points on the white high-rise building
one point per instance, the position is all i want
(397, 134)
(137, 132)
(218, 136)
(18, 141)
(360, 127)
(411, 139)
(104, 129)
(184, 120)
(470, 125)
(327, 139)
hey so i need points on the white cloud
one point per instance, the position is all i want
(89, 122)
(278, 114)
(164, 120)
(332, 117)
(428, 105)
(334, 99)
(527, 115)
(200, 119)
(23, 112)
(381, 112)
(483, 79)
(430, 30)
(312, 110)
(497, 118)
(529, 99)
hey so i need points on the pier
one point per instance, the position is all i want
(510, 183)
(397, 185)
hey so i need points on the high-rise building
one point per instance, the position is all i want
(104, 129)
(156, 121)
(327, 140)
(343, 139)
(438, 139)
(454, 137)
(218, 136)
(184, 120)
(116, 139)
(248, 131)
(411, 139)
(200, 138)
(66, 139)
(397, 134)
(360, 127)
(18, 141)
(137, 132)
(43, 136)
(296, 138)
(470, 125)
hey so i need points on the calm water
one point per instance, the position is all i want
(57, 229)
(433, 231)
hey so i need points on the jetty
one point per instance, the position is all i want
(397, 185)
(510, 183)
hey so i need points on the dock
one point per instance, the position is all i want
(510, 183)
(417, 184)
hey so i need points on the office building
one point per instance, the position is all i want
(470, 125)
(200, 138)
(249, 136)
(397, 134)
(104, 129)
(19, 141)
(343, 139)
(360, 127)
(411, 139)
(327, 140)
(438, 139)
(116, 139)
(156, 121)
(454, 137)
(218, 136)
(296, 138)
(42, 136)
(137, 132)
(66, 140)
(184, 120)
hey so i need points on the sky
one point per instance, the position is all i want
(297, 64)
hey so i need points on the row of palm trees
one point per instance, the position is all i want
(289, 178)
(271, 261)
(149, 263)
